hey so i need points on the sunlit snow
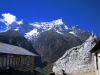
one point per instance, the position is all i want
(20, 22)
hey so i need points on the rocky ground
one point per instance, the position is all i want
(92, 73)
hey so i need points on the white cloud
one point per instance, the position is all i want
(8, 18)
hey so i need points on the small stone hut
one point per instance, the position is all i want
(16, 57)
(96, 51)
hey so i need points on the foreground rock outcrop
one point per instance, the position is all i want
(77, 59)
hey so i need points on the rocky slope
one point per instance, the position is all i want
(14, 38)
(77, 59)
(51, 45)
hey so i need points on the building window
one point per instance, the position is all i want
(8, 60)
(11, 60)
(24, 61)
(97, 61)
(16, 60)
(19, 61)
(4, 61)
(28, 61)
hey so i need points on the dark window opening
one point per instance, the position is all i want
(97, 61)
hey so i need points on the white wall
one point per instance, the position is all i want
(98, 56)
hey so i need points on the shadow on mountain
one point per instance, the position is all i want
(15, 38)
(51, 45)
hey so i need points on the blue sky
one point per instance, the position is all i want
(85, 13)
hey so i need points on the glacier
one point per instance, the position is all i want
(77, 59)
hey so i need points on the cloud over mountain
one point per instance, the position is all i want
(8, 18)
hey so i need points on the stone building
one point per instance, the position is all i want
(96, 51)
(16, 57)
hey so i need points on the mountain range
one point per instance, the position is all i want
(33, 30)
(49, 40)
(50, 37)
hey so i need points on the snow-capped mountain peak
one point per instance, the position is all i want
(48, 25)
(54, 22)
(75, 27)
(56, 25)
(32, 30)
(58, 22)
(21, 26)
(20, 22)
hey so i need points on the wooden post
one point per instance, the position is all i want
(32, 66)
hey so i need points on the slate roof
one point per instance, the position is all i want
(10, 49)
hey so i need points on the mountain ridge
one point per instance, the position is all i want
(54, 46)
(51, 39)
(32, 30)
